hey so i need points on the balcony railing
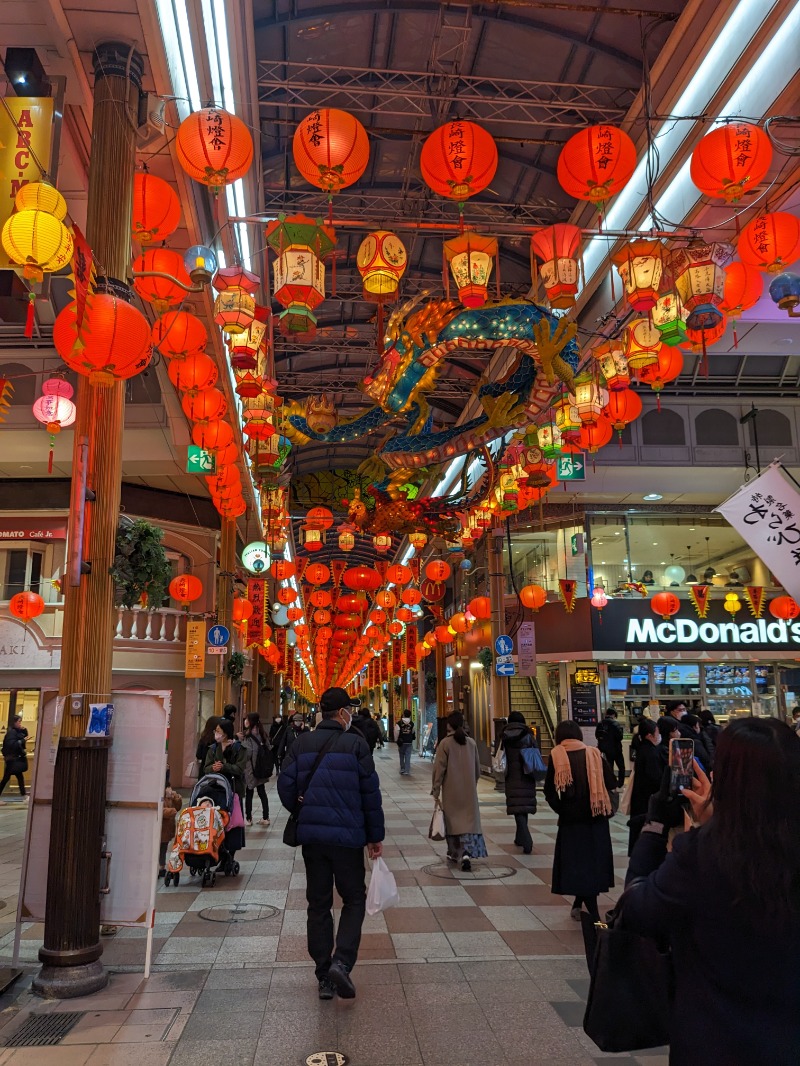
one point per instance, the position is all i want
(163, 626)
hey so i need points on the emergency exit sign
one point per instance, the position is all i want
(200, 461)
(571, 467)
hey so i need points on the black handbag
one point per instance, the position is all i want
(631, 988)
(290, 829)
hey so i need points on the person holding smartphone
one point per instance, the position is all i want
(727, 899)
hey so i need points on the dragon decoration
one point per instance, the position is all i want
(418, 342)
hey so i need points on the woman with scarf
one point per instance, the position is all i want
(577, 787)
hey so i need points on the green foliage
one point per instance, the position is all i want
(485, 659)
(140, 565)
(235, 667)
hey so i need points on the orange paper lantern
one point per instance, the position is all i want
(596, 163)
(731, 160)
(212, 435)
(399, 574)
(458, 160)
(26, 605)
(743, 288)
(330, 149)
(317, 574)
(770, 241)
(437, 570)
(531, 596)
(178, 334)
(386, 598)
(480, 607)
(194, 373)
(214, 147)
(186, 588)
(204, 406)
(156, 209)
(242, 609)
(161, 292)
(784, 607)
(411, 597)
(665, 604)
(114, 336)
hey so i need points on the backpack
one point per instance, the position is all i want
(264, 763)
(405, 733)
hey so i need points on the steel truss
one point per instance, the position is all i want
(408, 94)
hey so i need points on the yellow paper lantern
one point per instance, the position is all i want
(37, 241)
(381, 261)
(234, 311)
(41, 196)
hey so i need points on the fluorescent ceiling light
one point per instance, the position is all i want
(717, 64)
(177, 39)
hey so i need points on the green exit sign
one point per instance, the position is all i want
(200, 461)
(571, 467)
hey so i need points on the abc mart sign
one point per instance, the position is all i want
(631, 626)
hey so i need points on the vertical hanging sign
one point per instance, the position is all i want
(280, 644)
(26, 124)
(256, 592)
(195, 649)
(397, 657)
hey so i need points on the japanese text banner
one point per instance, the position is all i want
(766, 514)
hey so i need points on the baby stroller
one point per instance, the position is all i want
(200, 838)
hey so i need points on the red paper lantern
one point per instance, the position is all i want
(743, 288)
(320, 597)
(437, 570)
(347, 602)
(458, 160)
(286, 595)
(330, 149)
(399, 574)
(595, 436)
(404, 614)
(194, 373)
(26, 605)
(386, 598)
(480, 607)
(784, 607)
(731, 160)
(668, 367)
(282, 570)
(115, 340)
(361, 579)
(770, 241)
(596, 163)
(411, 597)
(443, 635)
(624, 406)
(700, 339)
(156, 209)
(377, 616)
(214, 147)
(204, 406)
(242, 609)
(161, 292)
(665, 604)
(321, 616)
(319, 518)
(212, 435)
(317, 574)
(294, 614)
(531, 596)
(178, 334)
(186, 588)
(396, 628)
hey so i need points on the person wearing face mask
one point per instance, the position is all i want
(405, 739)
(228, 756)
(651, 759)
(330, 774)
(677, 709)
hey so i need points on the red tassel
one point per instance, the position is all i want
(705, 356)
(29, 315)
(658, 402)
(50, 457)
(735, 337)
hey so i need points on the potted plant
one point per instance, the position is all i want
(486, 659)
(141, 570)
(235, 667)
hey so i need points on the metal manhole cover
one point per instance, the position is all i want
(41, 1030)
(239, 912)
(480, 871)
(326, 1058)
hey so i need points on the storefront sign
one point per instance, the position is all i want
(26, 124)
(631, 625)
(33, 529)
(766, 514)
(526, 648)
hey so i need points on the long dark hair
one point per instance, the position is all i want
(647, 727)
(756, 821)
(207, 736)
(255, 726)
(456, 722)
(568, 730)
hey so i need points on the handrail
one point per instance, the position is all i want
(545, 710)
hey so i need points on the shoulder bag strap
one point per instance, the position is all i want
(320, 756)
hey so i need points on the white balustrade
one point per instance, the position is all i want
(163, 626)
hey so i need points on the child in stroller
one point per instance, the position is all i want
(201, 839)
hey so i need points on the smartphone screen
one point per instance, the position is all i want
(681, 762)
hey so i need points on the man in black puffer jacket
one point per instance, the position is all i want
(341, 812)
(366, 725)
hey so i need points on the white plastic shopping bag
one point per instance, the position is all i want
(382, 892)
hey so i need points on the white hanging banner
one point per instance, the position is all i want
(766, 514)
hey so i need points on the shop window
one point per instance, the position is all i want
(716, 427)
(20, 570)
(24, 381)
(773, 429)
(663, 428)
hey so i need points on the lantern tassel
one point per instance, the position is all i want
(50, 456)
(735, 337)
(29, 315)
(705, 356)
(658, 402)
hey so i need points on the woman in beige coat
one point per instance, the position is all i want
(456, 772)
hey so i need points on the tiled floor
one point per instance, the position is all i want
(467, 969)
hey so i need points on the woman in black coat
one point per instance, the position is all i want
(648, 772)
(520, 787)
(727, 899)
(583, 862)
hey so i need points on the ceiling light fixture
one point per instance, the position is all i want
(653, 496)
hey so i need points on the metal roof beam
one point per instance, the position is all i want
(408, 94)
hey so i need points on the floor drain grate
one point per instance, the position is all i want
(243, 912)
(41, 1030)
(326, 1058)
(480, 872)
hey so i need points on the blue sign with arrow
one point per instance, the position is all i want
(503, 645)
(505, 669)
(218, 636)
